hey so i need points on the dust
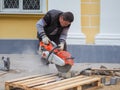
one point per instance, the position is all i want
(28, 50)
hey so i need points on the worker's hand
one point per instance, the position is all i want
(61, 46)
(45, 39)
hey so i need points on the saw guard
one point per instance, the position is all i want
(64, 55)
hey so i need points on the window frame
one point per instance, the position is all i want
(19, 10)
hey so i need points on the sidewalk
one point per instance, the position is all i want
(27, 65)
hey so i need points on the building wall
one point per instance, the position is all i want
(109, 23)
(18, 26)
(90, 19)
(18, 32)
(82, 31)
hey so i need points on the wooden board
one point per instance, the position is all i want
(102, 69)
(2, 73)
(52, 82)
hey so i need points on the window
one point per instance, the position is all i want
(25, 6)
(11, 4)
(31, 4)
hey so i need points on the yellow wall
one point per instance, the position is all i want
(19, 26)
(90, 19)
(22, 26)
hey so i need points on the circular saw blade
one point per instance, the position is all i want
(64, 68)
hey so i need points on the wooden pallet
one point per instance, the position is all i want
(52, 82)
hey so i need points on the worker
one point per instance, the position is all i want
(54, 27)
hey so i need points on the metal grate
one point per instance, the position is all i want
(11, 3)
(31, 4)
(22, 6)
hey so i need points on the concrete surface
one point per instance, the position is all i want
(26, 65)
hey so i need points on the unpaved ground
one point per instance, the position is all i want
(27, 65)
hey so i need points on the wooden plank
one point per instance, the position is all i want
(12, 82)
(93, 88)
(66, 83)
(27, 81)
(7, 87)
(71, 85)
(28, 77)
(79, 88)
(62, 81)
(34, 83)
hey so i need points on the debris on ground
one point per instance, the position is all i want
(105, 71)
(68, 74)
(110, 76)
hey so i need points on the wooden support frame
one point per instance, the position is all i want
(52, 82)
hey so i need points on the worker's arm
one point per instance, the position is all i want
(42, 23)
(63, 35)
(63, 38)
(40, 27)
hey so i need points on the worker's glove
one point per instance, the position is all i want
(45, 39)
(61, 46)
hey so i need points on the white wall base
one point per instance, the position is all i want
(107, 39)
(76, 39)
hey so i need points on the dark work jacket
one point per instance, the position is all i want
(52, 20)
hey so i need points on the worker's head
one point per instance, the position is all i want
(66, 18)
